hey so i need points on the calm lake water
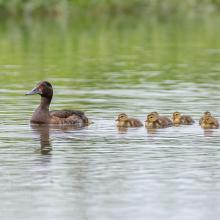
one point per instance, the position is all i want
(99, 172)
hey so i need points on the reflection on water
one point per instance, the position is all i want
(122, 130)
(208, 132)
(44, 137)
(43, 131)
(151, 131)
(101, 171)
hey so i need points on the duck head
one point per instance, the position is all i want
(152, 117)
(44, 89)
(176, 115)
(207, 113)
(154, 113)
(122, 117)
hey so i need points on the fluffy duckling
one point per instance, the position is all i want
(165, 120)
(154, 120)
(124, 121)
(179, 119)
(209, 122)
(204, 115)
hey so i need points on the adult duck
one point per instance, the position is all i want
(42, 115)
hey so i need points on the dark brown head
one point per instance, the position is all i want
(122, 117)
(44, 89)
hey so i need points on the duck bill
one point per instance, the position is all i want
(34, 91)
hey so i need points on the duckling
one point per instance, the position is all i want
(182, 119)
(207, 113)
(124, 121)
(165, 120)
(156, 121)
(209, 122)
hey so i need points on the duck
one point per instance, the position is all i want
(179, 119)
(42, 114)
(154, 120)
(209, 122)
(207, 113)
(124, 121)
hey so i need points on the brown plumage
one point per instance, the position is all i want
(154, 120)
(42, 115)
(209, 122)
(179, 119)
(204, 115)
(124, 121)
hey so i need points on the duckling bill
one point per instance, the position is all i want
(42, 115)
(124, 121)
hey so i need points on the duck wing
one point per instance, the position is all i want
(70, 115)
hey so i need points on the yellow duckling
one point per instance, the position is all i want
(209, 122)
(204, 115)
(124, 121)
(182, 119)
(154, 120)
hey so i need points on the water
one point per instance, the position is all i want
(99, 172)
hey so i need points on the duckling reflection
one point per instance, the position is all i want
(208, 132)
(151, 131)
(44, 135)
(122, 130)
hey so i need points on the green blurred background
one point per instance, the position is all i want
(100, 42)
(144, 8)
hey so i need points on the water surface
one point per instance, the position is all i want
(99, 172)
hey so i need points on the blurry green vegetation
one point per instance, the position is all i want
(108, 55)
(97, 8)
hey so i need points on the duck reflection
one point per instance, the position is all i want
(44, 130)
(44, 136)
